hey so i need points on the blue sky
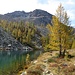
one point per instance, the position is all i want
(43, 1)
(7, 6)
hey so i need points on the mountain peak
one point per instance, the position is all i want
(39, 12)
(37, 16)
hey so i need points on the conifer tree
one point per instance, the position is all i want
(73, 44)
(64, 28)
(54, 34)
(28, 37)
(59, 31)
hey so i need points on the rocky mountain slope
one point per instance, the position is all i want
(7, 42)
(39, 18)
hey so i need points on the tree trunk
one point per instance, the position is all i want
(64, 52)
(60, 51)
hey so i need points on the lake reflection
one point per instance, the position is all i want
(10, 60)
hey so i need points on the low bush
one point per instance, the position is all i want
(35, 70)
(57, 55)
(51, 60)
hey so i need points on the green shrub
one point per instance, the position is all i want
(57, 55)
(51, 60)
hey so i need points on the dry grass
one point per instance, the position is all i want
(58, 66)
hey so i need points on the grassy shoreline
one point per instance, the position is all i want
(49, 62)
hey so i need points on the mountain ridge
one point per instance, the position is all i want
(36, 16)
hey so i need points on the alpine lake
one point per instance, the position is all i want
(11, 61)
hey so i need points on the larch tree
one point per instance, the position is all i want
(59, 31)
(19, 35)
(64, 29)
(73, 45)
(28, 37)
(73, 41)
(54, 34)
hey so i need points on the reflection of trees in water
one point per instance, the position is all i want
(12, 61)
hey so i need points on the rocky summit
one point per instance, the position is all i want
(37, 17)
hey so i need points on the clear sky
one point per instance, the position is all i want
(7, 6)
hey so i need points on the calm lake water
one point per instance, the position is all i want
(10, 60)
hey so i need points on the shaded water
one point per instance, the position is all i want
(10, 60)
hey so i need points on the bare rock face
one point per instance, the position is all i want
(8, 42)
(39, 18)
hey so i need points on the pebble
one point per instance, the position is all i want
(24, 73)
